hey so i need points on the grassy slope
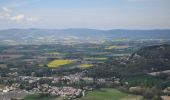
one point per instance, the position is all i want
(104, 94)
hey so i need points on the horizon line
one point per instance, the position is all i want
(85, 28)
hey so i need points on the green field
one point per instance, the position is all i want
(37, 97)
(107, 94)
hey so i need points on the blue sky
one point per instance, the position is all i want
(96, 14)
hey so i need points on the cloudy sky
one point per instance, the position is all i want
(96, 14)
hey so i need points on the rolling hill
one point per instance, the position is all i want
(52, 36)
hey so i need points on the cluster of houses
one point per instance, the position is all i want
(65, 91)
(48, 85)
(61, 91)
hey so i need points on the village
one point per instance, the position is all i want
(72, 86)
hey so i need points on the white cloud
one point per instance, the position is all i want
(6, 11)
(1, 17)
(8, 15)
(31, 19)
(20, 17)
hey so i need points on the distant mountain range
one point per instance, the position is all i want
(31, 36)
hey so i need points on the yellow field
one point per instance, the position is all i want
(86, 65)
(58, 63)
(54, 53)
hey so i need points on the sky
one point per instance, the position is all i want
(93, 14)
